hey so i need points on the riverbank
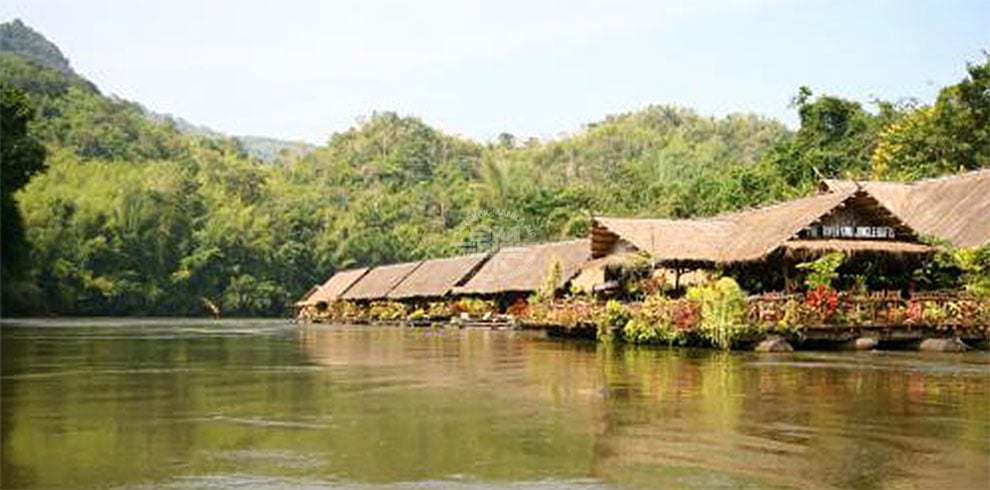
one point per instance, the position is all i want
(821, 338)
(714, 315)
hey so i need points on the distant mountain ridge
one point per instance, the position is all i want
(135, 216)
(17, 38)
(261, 147)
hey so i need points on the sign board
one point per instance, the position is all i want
(850, 231)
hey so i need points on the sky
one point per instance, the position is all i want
(304, 70)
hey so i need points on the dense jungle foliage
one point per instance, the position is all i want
(133, 216)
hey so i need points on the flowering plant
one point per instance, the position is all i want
(823, 301)
(474, 307)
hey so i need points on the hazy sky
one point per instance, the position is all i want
(302, 70)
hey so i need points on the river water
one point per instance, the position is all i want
(252, 403)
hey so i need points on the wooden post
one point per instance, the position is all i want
(787, 274)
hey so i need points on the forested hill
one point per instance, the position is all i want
(17, 38)
(133, 216)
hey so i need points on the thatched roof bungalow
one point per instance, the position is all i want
(435, 278)
(956, 207)
(523, 269)
(850, 220)
(334, 288)
(304, 300)
(380, 281)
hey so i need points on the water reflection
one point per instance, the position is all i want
(261, 404)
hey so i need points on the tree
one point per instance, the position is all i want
(133, 216)
(951, 135)
(21, 156)
(835, 140)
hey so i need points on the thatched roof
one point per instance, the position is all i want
(761, 231)
(740, 236)
(336, 286)
(304, 300)
(684, 239)
(378, 282)
(435, 278)
(956, 207)
(621, 260)
(522, 269)
(856, 246)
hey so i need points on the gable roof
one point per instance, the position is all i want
(853, 246)
(681, 238)
(758, 232)
(955, 207)
(304, 300)
(522, 269)
(377, 283)
(740, 236)
(332, 290)
(435, 278)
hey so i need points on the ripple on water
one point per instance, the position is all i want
(91, 372)
(251, 481)
(263, 422)
(951, 363)
(272, 406)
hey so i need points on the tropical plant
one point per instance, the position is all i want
(548, 288)
(21, 156)
(473, 307)
(611, 319)
(824, 302)
(975, 265)
(440, 310)
(822, 271)
(387, 311)
(661, 320)
(518, 309)
(723, 311)
(135, 216)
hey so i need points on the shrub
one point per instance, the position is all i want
(572, 312)
(610, 320)
(950, 267)
(822, 271)
(823, 302)
(638, 330)
(914, 313)
(548, 289)
(536, 312)
(387, 310)
(343, 310)
(518, 309)
(440, 310)
(975, 265)
(474, 307)
(661, 320)
(934, 314)
(723, 311)
(686, 314)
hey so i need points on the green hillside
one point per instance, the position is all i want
(17, 38)
(133, 216)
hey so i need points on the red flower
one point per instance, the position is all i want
(914, 312)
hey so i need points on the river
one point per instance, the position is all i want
(114, 403)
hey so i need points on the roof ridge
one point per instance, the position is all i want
(733, 214)
(791, 202)
(979, 172)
